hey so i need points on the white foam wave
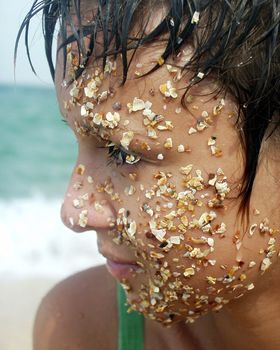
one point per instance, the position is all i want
(33, 241)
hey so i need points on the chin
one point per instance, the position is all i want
(180, 299)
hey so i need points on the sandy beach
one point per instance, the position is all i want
(19, 299)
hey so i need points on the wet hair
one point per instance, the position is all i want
(236, 41)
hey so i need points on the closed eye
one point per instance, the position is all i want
(120, 156)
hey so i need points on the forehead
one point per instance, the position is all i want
(99, 91)
(132, 100)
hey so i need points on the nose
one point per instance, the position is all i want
(92, 216)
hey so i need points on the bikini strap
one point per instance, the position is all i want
(131, 325)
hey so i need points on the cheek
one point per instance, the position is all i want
(186, 233)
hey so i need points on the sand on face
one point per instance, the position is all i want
(19, 300)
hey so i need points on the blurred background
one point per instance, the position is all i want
(37, 152)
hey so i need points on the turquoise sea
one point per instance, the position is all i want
(37, 153)
(37, 149)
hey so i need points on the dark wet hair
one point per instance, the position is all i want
(237, 41)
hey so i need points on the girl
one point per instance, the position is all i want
(175, 106)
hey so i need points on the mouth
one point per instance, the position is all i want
(119, 268)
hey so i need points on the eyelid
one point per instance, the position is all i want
(135, 153)
(134, 149)
(120, 156)
(128, 151)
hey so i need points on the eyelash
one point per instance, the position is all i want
(118, 155)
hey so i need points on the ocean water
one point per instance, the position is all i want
(37, 153)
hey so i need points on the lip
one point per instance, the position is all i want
(121, 271)
(120, 268)
(109, 256)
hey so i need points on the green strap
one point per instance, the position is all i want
(131, 326)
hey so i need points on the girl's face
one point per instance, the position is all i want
(159, 184)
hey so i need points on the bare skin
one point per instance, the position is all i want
(77, 312)
(247, 305)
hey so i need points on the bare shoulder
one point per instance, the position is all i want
(79, 313)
